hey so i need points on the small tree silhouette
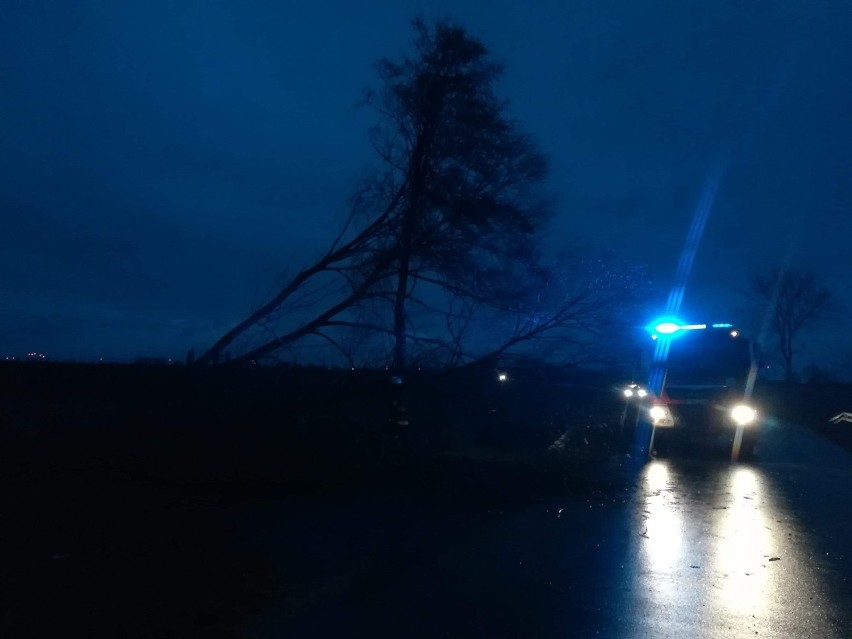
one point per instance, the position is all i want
(795, 298)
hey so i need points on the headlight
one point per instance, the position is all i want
(743, 415)
(641, 392)
(661, 416)
(628, 392)
(657, 413)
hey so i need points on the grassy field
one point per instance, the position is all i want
(122, 486)
(295, 427)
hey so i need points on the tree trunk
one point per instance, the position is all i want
(417, 173)
(399, 316)
(788, 360)
(399, 313)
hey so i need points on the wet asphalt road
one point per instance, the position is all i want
(688, 548)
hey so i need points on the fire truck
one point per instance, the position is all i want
(700, 381)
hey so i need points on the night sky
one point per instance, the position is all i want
(163, 162)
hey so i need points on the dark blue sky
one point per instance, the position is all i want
(162, 162)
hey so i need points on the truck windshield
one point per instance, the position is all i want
(708, 358)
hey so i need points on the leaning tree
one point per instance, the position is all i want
(453, 208)
(438, 257)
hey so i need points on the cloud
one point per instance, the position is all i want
(48, 253)
(166, 160)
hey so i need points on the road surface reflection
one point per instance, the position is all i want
(716, 543)
(743, 546)
(685, 548)
(663, 526)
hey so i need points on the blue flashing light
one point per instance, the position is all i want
(723, 325)
(667, 328)
(670, 327)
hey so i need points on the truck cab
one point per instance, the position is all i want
(700, 383)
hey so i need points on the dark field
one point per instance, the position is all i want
(124, 487)
(303, 429)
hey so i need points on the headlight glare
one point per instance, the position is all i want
(661, 416)
(743, 415)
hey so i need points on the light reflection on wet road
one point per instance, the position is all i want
(719, 555)
(690, 548)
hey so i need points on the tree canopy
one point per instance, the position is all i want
(439, 250)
